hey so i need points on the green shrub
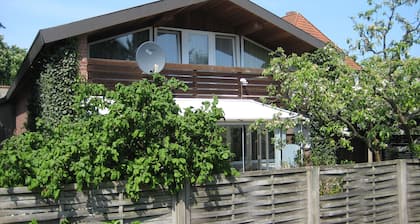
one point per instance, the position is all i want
(145, 139)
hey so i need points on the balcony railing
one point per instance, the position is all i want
(203, 80)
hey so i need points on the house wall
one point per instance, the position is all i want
(83, 57)
(7, 120)
(21, 111)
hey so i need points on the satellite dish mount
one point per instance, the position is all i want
(150, 58)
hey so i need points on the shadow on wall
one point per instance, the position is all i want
(7, 120)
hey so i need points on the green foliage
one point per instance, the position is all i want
(34, 221)
(57, 72)
(388, 29)
(331, 186)
(394, 74)
(344, 104)
(143, 139)
(65, 221)
(10, 59)
(321, 86)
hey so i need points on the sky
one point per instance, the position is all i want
(24, 18)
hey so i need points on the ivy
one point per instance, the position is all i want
(56, 71)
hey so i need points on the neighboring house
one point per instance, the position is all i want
(218, 47)
(304, 24)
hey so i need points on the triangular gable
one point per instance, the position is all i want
(285, 31)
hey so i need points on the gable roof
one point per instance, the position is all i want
(150, 12)
(304, 24)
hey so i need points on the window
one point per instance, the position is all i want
(187, 47)
(169, 42)
(252, 150)
(122, 47)
(198, 49)
(254, 56)
(225, 51)
(233, 138)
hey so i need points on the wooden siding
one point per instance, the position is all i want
(204, 81)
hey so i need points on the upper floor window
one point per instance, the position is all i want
(169, 41)
(254, 55)
(225, 51)
(186, 47)
(198, 48)
(123, 47)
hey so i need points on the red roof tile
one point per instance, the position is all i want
(304, 24)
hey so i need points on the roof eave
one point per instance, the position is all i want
(33, 52)
(113, 19)
(278, 21)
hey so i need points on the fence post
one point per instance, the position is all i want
(182, 205)
(312, 175)
(402, 190)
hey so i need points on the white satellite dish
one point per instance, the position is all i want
(150, 57)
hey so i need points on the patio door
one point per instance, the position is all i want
(253, 150)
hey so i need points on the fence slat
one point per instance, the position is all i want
(385, 192)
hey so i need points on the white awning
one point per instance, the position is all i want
(240, 109)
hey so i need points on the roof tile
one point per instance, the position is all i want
(304, 24)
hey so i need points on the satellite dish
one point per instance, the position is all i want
(150, 57)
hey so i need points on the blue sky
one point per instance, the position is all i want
(23, 18)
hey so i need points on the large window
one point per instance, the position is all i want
(253, 150)
(198, 48)
(225, 51)
(254, 56)
(183, 46)
(123, 47)
(169, 41)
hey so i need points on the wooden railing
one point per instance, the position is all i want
(204, 81)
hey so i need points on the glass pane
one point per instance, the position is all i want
(254, 56)
(236, 142)
(122, 47)
(224, 51)
(169, 42)
(198, 46)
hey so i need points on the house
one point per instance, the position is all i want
(218, 47)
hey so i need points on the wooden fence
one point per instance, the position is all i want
(385, 192)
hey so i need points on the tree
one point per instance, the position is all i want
(10, 59)
(322, 87)
(344, 104)
(390, 65)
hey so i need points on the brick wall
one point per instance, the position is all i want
(21, 112)
(83, 57)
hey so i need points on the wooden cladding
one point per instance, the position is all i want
(204, 81)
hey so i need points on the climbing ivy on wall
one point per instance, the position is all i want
(56, 71)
